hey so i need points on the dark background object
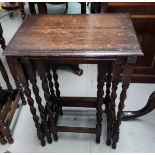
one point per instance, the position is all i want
(143, 18)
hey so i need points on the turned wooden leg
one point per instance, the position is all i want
(14, 75)
(83, 7)
(2, 40)
(111, 115)
(53, 97)
(42, 8)
(32, 78)
(107, 100)
(55, 76)
(49, 76)
(66, 5)
(32, 7)
(150, 106)
(2, 139)
(6, 132)
(42, 71)
(27, 92)
(21, 7)
(100, 79)
(127, 73)
(108, 86)
(5, 76)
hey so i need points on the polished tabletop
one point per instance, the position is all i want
(94, 35)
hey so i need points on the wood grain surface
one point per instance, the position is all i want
(75, 35)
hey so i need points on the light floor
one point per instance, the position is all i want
(135, 136)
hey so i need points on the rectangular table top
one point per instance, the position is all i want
(94, 35)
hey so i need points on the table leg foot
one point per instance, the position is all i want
(97, 140)
(49, 139)
(113, 145)
(42, 143)
(23, 100)
(2, 139)
(55, 137)
(61, 112)
(7, 132)
(108, 142)
(11, 141)
(47, 134)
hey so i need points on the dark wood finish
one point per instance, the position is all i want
(76, 129)
(78, 41)
(112, 113)
(143, 18)
(95, 7)
(32, 7)
(42, 9)
(42, 71)
(128, 70)
(150, 106)
(8, 102)
(56, 84)
(18, 86)
(88, 102)
(5, 76)
(114, 43)
(2, 41)
(100, 93)
(10, 6)
(9, 99)
(27, 91)
(44, 125)
(7, 114)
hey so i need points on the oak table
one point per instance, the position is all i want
(107, 40)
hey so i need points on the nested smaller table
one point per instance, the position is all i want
(43, 41)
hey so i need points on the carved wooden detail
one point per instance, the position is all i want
(100, 93)
(30, 101)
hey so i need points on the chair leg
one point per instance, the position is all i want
(7, 133)
(32, 7)
(66, 5)
(100, 79)
(2, 139)
(21, 7)
(83, 7)
(2, 40)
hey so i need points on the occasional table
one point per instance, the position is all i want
(107, 40)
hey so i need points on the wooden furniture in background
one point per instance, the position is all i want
(11, 6)
(143, 18)
(3, 46)
(150, 106)
(115, 46)
(2, 40)
(9, 99)
(42, 9)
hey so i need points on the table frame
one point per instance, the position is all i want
(108, 73)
